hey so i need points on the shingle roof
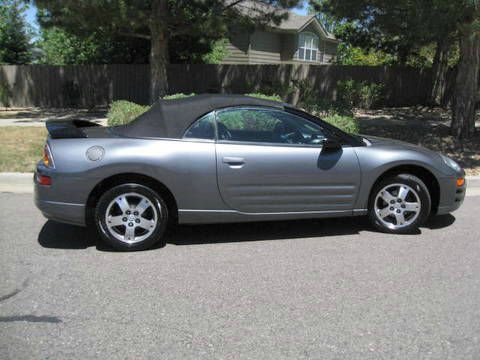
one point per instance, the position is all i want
(293, 22)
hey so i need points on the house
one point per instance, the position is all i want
(297, 39)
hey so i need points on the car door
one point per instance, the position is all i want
(271, 161)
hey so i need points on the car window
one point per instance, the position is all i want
(203, 128)
(267, 126)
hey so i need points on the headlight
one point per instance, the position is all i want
(451, 163)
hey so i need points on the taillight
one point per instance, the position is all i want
(44, 180)
(47, 157)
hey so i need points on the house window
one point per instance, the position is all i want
(307, 47)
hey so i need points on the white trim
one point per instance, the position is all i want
(314, 40)
(319, 27)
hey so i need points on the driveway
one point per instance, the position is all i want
(323, 289)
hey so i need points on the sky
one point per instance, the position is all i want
(31, 14)
(31, 17)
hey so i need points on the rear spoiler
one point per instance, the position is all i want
(68, 129)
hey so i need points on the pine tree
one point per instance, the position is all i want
(14, 33)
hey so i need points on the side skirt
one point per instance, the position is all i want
(190, 216)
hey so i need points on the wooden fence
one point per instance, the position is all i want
(94, 85)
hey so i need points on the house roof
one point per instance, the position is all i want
(292, 23)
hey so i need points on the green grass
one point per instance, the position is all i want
(21, 147)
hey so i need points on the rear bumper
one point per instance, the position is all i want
(46, 200)
(62, 212)
(452, 196)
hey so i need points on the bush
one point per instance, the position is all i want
(218, 52)
(346, 123)
(5, 95)
(177, 96)
(122, 112)
(371, 95)
(72, 92)
(353, 94)
(273, 97)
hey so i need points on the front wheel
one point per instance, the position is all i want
(399, 204)
(131, 217)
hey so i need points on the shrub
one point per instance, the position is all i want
(348, 93)
(5, 95)
(310, 101)
(273, 97)
(218, 52)
(122, 112)
(353, 94)
(177, 96)
(371, 95)
(322, 107)
(346, 123)
(71, 90)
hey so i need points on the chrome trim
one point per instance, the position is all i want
(266, 213)
(61, 203)
(360, 211)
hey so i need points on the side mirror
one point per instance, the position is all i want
(331, 145)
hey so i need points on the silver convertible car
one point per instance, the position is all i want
(228, 158)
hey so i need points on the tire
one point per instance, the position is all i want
(399, 204)
(131, 217)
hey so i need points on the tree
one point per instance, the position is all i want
(14, 33)
(218, 53)
(160, 22)
(59, 47)
(467, 93)
(402, 28)
(410, 24)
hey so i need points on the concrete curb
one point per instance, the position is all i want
(18, 183)
(22, 183)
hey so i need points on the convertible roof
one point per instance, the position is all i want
(171, 118)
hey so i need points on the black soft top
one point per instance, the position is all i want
(171, 118)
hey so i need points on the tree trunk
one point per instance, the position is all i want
(439, 73)
(466, 87)
(159, 58)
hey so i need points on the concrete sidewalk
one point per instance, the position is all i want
(22, 183)
(38, 116)
(17, 183)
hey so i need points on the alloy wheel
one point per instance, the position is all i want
(397, 206)
(131, 217)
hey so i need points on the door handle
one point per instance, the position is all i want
(234, 161)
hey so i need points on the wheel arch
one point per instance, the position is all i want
(419, 171)
(124, 178)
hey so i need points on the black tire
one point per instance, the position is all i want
(423, 194)
(156, 235)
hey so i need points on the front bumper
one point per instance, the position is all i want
(50, 200)
(451, 195)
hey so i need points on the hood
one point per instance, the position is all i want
(390, 143)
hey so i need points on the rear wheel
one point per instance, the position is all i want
(131, 217)
(399, 204)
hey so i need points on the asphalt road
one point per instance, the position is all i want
(329, 289)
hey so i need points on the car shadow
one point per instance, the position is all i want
(55, 235)
(439, 221)
(261, 231)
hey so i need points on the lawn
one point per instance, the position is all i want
(21, 147)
